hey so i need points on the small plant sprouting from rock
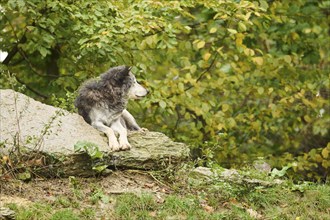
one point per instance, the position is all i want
(93, 151)
(90, 148)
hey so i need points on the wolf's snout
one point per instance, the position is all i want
(143, 92)
(138, 91)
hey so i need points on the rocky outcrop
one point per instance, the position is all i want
(50, 135)
(201, 174)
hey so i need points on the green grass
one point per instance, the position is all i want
(131, 206)
(208, 200)
(39, 211)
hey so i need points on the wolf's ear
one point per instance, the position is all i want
(122, 73)
(126, 70)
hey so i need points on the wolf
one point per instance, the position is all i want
(102, 103)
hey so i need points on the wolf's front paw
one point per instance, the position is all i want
(125, 146)
(114, 145)
(144, 129)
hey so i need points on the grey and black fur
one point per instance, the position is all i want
(102, 103)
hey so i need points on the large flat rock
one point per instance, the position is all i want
(53, 132)
(32, 124)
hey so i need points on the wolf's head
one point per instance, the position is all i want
(121, 77)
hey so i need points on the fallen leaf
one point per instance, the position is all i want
(149, 185)
(36, 162)
(254, 214)
(208, 208)
(233, 200)
(159, 199)
(153, 214)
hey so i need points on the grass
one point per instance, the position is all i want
(40, 211)
(206, 200)
(131, 206)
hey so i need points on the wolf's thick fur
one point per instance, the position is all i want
(102, 103)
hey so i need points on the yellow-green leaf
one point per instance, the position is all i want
(270, 90)
(258, 60)
(308, 103)
(232, 31)
(249, 52)
(231, 122)
(206, 56)
(241, 27)
(256, 125)
(287, 58)
(193, 68)
(162, 104)
(239, 39)
(260, 90)
(325, 153)
(263, 5)
(326, 164)
(213, 30)
(200, 44)
(181, 87)
(307, 118)
(225, 107)
(318, 158)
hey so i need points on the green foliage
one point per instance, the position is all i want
(131, 206)
(64, 102)
(90, 148)
(100, 196)
(234, 79)
(93, 151)
(313, 163)
(289, 204)
(46, 211)
(64, 214)
(279, 173)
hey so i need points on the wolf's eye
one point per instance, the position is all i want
(142, 83)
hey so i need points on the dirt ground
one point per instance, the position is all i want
(38, 190)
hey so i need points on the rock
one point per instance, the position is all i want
(29, 123)
(6, 213)
(203, 173)
(230, 174)
(254, 214)
(50, 134)
(262, 166)
(19, 201)
(200, 175)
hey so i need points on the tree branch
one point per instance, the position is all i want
(204, 72)
(199, 77)
(31, 89)
(15, 49)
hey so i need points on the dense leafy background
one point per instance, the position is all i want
(236, 80)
